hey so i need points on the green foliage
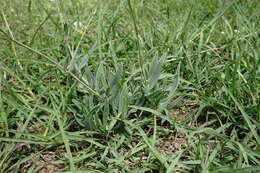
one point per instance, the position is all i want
(107, 86)
(117, 95)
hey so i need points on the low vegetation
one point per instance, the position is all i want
(129, 86)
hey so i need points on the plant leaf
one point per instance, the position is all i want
(154, 73)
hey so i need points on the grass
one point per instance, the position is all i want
(129, 86)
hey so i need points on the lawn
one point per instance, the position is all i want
(91, 86)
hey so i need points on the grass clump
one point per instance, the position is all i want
(129, 86)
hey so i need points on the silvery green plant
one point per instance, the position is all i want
(123, 95)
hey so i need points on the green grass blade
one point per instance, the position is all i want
(65, 140)
(245, 116)
(238, 170)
